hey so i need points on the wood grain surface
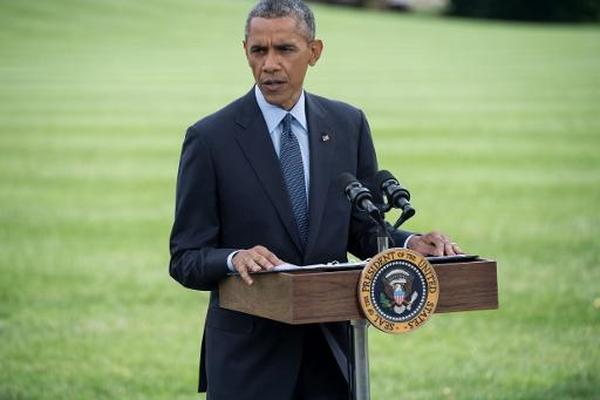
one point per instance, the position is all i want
(302, 297)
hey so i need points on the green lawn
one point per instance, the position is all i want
(494, 127)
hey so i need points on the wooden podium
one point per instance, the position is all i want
(302, 297)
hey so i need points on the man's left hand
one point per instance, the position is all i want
(434, 244)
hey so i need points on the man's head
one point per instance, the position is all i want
(280, 45)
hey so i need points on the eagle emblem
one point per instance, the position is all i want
(397, 291)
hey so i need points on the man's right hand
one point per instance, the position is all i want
(256, 259)
(434, 244)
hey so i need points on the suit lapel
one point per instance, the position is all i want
(322, 145)
(256, 144)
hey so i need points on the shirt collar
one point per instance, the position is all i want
(274, 114)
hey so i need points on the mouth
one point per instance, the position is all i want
(273, 85)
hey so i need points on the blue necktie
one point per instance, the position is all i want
(290, 159)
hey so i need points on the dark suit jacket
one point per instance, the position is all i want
(231, 195)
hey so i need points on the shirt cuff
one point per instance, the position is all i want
(405, 244)
(230, 262)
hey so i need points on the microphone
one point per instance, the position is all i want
(396, 195)
(359, 196)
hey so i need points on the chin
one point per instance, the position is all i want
(275, 100)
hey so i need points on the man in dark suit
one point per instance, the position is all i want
(258, 184)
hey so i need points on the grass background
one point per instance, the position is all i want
(494, 127)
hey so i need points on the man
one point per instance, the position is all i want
(258, 185)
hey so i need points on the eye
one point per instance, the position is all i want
(258, 50)
(286, 48)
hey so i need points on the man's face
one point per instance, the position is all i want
(279, 54)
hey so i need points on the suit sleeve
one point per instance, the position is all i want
(197, 262)
(363, 231)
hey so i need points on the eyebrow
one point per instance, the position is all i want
(282, 46)
(256, 47)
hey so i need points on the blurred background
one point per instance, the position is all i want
(533, 10)
(493, 123)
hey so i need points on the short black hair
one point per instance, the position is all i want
(284, 8)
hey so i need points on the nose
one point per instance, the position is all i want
(271, 62)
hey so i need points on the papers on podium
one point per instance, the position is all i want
(332, 266)
(340, 266)
(336, 266)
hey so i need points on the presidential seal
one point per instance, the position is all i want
(398, 290)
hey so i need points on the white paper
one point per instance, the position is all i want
(329, 266)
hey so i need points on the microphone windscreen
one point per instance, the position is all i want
(345, 179)
(383, 176)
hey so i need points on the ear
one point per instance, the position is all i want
(316, 47)
(244, 46)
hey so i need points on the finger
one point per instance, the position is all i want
(275, 260)
(244, 275)
(426, 249)
(421, 244)
(437, 250)
(439, 236)
(252, 265)
(457, 249)
(435, 235)
(269, 255)
(263, 263)
(437, 246)
(262, 250)
(435, 242)
(257, 261)
(247, 257)
(240, 263)
(449, 249)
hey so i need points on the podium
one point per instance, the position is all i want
(302, 297)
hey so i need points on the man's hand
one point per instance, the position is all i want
(434, 244)
(256, 259)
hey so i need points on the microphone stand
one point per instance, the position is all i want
(361, 389)
(359, 378)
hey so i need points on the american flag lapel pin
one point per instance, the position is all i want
(325, 137)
